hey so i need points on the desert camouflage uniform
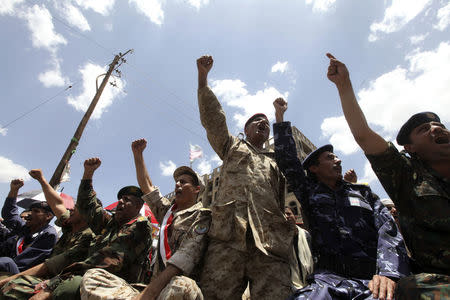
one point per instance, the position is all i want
(121, 250)
(70, 248)
(353, 235)
(422, 198)
(249, 232)
(99, 284)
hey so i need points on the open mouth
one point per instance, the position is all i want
(442, 140)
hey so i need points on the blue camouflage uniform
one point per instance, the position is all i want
(353, 235)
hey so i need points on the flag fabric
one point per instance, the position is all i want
(195, 152)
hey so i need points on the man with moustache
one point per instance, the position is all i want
(418, 182)
(182, 241)
(71, 247)
(250, 238)
(30, 241)
(359, 252)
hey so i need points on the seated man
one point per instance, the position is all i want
(358, 249)
(71, 247)
(121, 244)
(184, 224)
(30, 242)
(417, 181)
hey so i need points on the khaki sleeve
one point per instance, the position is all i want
(158, 204)
(213, 120)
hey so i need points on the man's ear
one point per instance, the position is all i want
(410, 148)
(313, 169)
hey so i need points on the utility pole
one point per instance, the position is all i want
(56, 178)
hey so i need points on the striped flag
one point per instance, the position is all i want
(195, 152)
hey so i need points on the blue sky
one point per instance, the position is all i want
(398, 53)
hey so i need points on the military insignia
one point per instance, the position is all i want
(201, 228)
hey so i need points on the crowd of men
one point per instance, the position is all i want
(246, 244)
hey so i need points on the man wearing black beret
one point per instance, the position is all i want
(417, 180)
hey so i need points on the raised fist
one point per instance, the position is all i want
(37, 174)
(92, 164)
(16, 184)
(350, 176)
(280, 105)
(204, 64)
(337, 71)
(138, 146)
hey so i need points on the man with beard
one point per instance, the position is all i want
(121, 244)
(30, 242)
(71, 247)
(250, 238)
(418, 182)
(359, 252)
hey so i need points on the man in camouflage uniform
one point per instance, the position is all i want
(71, 247)
(250, 238)
(122, 241)
(182, 242)
(359, 250)
(417, 180)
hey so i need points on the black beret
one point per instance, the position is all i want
(413, 122)
(130, 190)
(254, 117)
(42, 205)
(312, 157)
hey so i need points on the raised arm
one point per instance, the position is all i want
(54, 200)
(211, 114)
(367, 139)
(10, 211)
(144, 181)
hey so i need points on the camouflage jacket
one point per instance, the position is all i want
(70, 248)
(347, 224)
(251, 188)
(422, 198)
(121, 250)
(183, 225)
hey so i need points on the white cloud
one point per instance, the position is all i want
(396, 95)
(89, 73)
(369, 175)
(151, 9)
(400, 13)
(279, 67)
(320, 5)
(43, 33)
(443, 16)
(108, 26)
(8, 6)
(167, 168)
(73, 15)
(416, 39)
(3, 131)
(9, 170)
(206, 165)
(102, 7)
(53, 76)
(233, 93)
(198, 3)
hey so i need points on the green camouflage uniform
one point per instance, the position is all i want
(121, 250)
(191, 225)
(70, 248)
(422, 198)
(249, 233)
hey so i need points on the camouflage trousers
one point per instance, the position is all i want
(20, 288)
(226, 273)
(100, 284)
(327, 286)
(424, 286)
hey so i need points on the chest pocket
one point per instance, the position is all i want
(238, 161)
(356, 200)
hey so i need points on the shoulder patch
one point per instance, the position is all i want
(201, 228)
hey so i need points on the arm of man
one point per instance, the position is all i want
(367, 139)
(286, 154)
(143, 178)
(155, 287)
(211, 114)
(87, 204)
(37, 271)
(392, 258)
(52, 197)
(10, 211)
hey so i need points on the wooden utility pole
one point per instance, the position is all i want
(56, 178)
